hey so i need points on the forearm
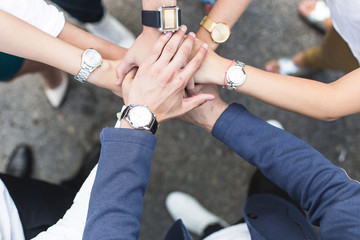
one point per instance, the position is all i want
(321, 188)
(44, 48)
(21, 39)
(224, 11)
(115, 206)
(84, 40)
(303, 96)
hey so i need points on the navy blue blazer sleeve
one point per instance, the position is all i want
(324, 190)
(116, 200)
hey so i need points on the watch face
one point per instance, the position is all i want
(140, 116)
(236, 75)
(220, 33)
(92, 58)
(169, 18)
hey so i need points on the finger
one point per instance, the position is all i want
(196, 101)
(182, 56)
(190, 88)
(158, 47)
(172, 46)
(123, 69)
(193, 66)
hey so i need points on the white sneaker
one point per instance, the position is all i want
(194, 216)
(110, 29)
(275, 123)
(57, 95)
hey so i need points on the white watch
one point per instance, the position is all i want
(139, 117)
(236, 76)
(90, 60)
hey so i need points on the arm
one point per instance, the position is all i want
(84, 40)
(47, 49)
(116, 200)
(143, 43)
(324, 190)
(120, 184)
(307, 97)
(223, 11)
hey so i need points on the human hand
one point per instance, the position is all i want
(207, 114)
(212, 70)
(137, 53)
(160, 81)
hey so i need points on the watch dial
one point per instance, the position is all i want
(220, 33)
(140, 116)
(169, 19)
(236, 75)
(93, 58)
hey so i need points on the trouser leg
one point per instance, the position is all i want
(83, 10)
(334, 53)
(40, 204)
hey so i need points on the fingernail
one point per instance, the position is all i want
(183, 28)
(205, 46)
(192, 34)
(168, 34)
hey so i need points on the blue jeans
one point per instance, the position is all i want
(83, 10)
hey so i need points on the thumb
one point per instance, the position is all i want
(196, 101)
(125, 66)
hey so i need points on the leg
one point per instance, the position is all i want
(98, 21)
(334, 53)
(39, 204)
(55, 81)
(83, 10)
(195, 217)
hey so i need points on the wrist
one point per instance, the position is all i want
(213, 116)
(204, 36)
(97, 77)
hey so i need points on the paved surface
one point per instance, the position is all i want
(187, 158)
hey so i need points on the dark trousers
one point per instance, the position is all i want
(40, 204)
(83, 10)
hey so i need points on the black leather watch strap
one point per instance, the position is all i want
(150, 18)
(154, 127)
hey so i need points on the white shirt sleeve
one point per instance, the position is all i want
(37, 13)
(346, 20)
(72, 225)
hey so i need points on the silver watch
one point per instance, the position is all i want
(236, 76)
(139, 117)
(90, 60)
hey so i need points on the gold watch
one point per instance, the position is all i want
(219, 32)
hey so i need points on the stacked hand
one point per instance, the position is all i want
(161, 79)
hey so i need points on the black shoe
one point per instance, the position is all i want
(20, 162)
(261, 184)
(88, 163)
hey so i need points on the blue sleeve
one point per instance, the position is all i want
(324, 190)
(116, 199)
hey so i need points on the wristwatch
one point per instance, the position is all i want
(219, 32)
(236, 75)
(165, 18)
(90, 60)
(139, 117)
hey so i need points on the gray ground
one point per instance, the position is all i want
(186, 158)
